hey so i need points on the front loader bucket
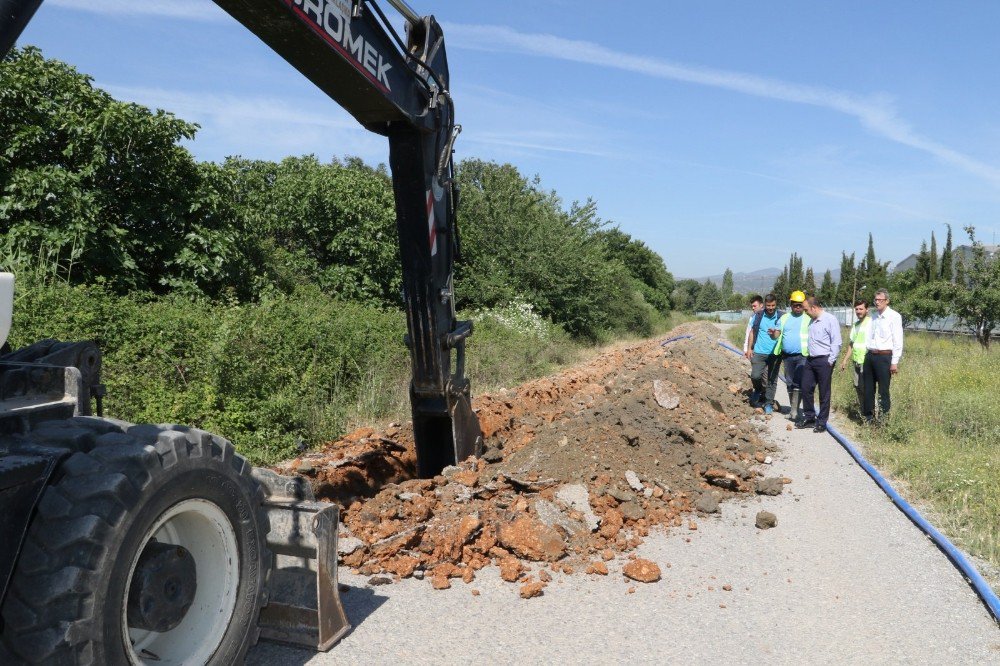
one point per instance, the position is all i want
(445, 436)
(304, 604)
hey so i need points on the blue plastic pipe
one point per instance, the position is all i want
(675, 339)
(980, 586)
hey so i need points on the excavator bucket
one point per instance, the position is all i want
(304, 604)
(445, 435)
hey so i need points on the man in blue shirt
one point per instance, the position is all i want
(792, 334)
(824, 347)
(764, 363)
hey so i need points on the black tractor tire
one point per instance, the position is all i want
(66, 598)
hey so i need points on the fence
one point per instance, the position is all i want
(845, 315)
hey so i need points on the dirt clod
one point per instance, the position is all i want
(532, 589)
(643, 571)
(766, 520)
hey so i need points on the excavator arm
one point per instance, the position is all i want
(399, 89)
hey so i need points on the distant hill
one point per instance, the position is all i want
(965, 250)
(758, 282)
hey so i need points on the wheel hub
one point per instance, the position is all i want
(163, 587)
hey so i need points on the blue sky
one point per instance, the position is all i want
(722, 134)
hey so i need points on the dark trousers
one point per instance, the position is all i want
(764, 375)
(817, 373)
(877, 372)
(794, 363)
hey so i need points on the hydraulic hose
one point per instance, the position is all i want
(979, 585)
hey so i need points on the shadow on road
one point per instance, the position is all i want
(359, 603)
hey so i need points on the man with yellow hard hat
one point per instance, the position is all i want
(792, 334)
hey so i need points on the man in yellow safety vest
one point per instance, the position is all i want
(792, 334)
(856, 348)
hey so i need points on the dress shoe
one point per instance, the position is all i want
(820, 427)
(805, 423)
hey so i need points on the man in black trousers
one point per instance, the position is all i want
(885, 348)
(824, 347)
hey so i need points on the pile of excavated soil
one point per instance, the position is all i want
(578, 467)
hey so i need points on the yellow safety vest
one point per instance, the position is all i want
(859, 332)
(803, 333)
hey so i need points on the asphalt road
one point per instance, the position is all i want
(844, 578)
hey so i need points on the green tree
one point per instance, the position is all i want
(923, 267)
(781, 287)
(809, 282)
(685, 294)
(91, 187)
(872, 274)
(650, 275)
(727, 284)
(932, 259)
(828, 290)
(519, 242)
(330, 224)
(847, 287)
(947, 259)
(975, 296)
(709, 298)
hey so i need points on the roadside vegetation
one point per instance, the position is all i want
(262, 300)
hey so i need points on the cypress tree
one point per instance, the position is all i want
(933, 260)
(947, 266)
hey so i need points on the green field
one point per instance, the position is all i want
(942, 438)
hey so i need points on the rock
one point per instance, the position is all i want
(450, 471)
(771, 486)
(440, 583)
(532, 540)
(492, 455)
(403, 566)
(707, 503)
(665, 394)
(648, 493)
(633, 481)
(510, 569)
(722, 478)
(766, 520)
(621, 495)
(599, 568)
(469, 527)
(576, 497)
(468, 478)
(632, 511)
(419, 574)
(612, 523)
(552, 516)
(642, 571)
(532, 589)
(349, 545)
(379, 580)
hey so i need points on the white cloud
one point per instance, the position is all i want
(874, 112)
(259, 126)
(200, 10)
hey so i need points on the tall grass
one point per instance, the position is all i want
(942, 437)
(291, 371)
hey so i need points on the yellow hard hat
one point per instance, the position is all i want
(797, 297)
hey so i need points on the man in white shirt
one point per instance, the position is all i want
(756, 305)
(884, 349)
